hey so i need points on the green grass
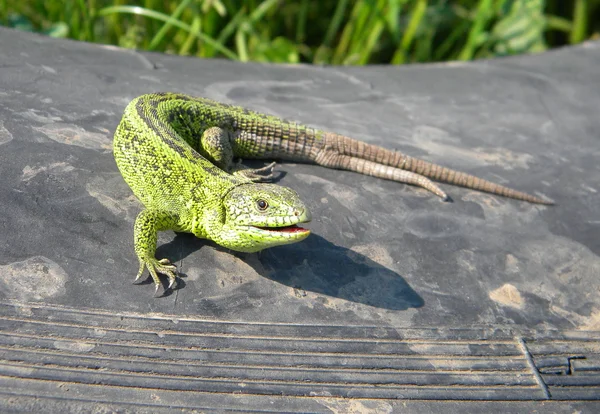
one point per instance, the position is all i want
(338, 32)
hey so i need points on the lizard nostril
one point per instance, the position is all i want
(296, 213)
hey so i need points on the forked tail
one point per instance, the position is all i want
(349, 154)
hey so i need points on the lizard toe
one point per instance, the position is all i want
(172, 281)
(156, 294)
(163, 266)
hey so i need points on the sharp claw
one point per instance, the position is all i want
(156, 295)
(137, 278)
(163, 266)
(173, 281)
(140, 271)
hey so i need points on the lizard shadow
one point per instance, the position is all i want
(315, 265)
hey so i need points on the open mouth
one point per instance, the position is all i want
(286, 229)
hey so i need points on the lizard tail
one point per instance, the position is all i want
(350, 154)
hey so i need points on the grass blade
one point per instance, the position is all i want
(166, 18)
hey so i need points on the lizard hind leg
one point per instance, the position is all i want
(257, 175)
(216, 146)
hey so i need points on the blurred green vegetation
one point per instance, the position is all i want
(316, 31)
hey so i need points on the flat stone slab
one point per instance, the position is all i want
(481, 299)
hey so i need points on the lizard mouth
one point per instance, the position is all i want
(285, 229)
(290, 231)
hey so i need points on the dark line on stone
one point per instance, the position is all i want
(534, 370)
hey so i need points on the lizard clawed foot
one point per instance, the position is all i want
(155, 266)
(257, 175)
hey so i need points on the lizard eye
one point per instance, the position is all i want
(262, 205)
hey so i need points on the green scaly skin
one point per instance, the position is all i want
(176, 153)
(158, 154)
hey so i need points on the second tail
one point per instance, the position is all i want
(349, 154)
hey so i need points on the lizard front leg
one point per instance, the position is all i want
(145, 234)
(216, 146)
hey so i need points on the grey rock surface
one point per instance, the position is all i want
(386, 261)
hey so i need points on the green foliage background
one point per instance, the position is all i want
(316, 31)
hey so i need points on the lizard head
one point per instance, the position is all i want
(264, 215)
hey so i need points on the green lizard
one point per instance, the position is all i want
(176, 152)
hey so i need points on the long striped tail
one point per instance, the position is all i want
(349, 154)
